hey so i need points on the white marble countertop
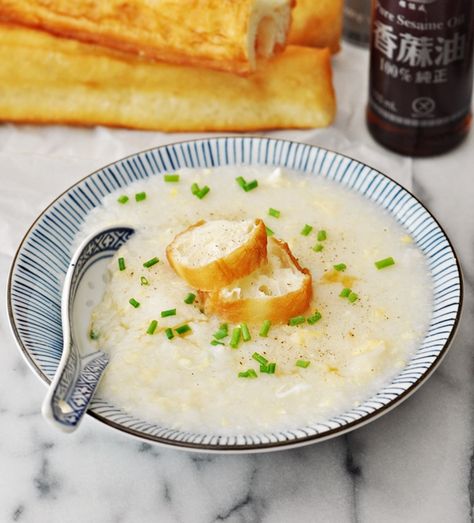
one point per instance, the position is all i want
(415, 464)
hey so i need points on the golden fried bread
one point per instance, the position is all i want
(223, 34)
(211, 255)
(46, 79)
(317, 23)
(277, 291)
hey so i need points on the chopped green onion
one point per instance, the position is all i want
(169, 333)
(123, 199)
(296, 320)
(265, 328)
(222, 332)
(234, 341)
(340, 267)
(269, 231)
(215, 343)
(261, 359)
(169, 312)
(202, 192)
(195, 189)
(190, 298)
(353, 297)
(271, 368)
(93, 335)
(274, 213)
(241, 181)
(219, 335)
(144, 281)
(248, 374)
(134, 303)
(264, 369)
(345, 293)
(183, 329)
(171, 177)
(245, 332)
(140, 196)
(151, 262)
(386, 262)
(318, 247)
(121, 264)
(314, 318)
(303, 363)
(322, 235)
(306, 230)
(152, 327)
(251, 185)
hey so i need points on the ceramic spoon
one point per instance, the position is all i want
(77, 376)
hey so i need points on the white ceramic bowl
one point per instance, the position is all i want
(39, 267)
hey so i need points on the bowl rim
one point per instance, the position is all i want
(254, 447)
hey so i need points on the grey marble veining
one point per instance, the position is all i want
(415, 464)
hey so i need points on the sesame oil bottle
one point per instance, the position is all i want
(421, 74)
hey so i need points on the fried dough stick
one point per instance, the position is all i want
(46, 79)
(222, 34)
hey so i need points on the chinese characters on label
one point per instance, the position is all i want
(421, 52)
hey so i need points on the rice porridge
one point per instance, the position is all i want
(365, 321)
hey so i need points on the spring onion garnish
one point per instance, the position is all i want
(190, 298)
(202, 192)
(306, 230)
(123, 199)
(241, 181)
(353, 297)
(345, 293)
(169, 333)
(269, 231)
(386, 262)
(234, 341)
(322, 235)
(144, 281)
(248, 374)
(251, 185)
(340, 267)
(183, 329)
(274, 213)
(171, 177)
(152, 327)
(246, 186)
(134, 303)
(296, 320)
(215, 343)
(302, 363)
(93, 335)
(195, 188)
(121, 264)
(318, 247)
(271, 368)
(140, 196)
(264, 369)
(223, 332)
(314, 318)
(169, 312)
(265, 328)
(261, 359)
(245, 332)
(151, 262)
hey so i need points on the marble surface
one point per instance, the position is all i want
(415, 464)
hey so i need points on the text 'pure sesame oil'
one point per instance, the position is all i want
(421, 74)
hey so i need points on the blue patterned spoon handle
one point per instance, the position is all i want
(75, 388)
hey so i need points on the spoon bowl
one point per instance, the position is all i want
(78, 374)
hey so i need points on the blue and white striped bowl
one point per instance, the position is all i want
(35, 283)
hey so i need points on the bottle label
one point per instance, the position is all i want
(421, 61)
